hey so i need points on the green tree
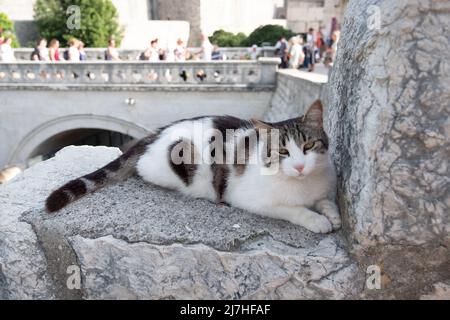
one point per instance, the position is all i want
(7, 29)
(269, 33)
(228, 39)
(98, 21)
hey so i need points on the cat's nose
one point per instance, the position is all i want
(299, 168)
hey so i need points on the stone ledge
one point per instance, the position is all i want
(139, 87)
(309, 76)
(134, 240)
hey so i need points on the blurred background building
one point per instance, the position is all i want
(186, 19)
(304, 14)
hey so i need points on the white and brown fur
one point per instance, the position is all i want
(301, 191)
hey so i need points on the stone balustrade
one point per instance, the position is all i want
(261, 73)
(236, 53)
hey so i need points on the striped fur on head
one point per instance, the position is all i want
(184, 151)
(307, 128)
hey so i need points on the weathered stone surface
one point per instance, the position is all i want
(23, 265)
(388, 117)
(264, 269)
(135, 240)
(441, 292)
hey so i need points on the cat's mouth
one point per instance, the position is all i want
(298, 176)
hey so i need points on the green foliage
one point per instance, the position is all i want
(268, 33)
(264, 34)
(99, 21)
(7, 29)
(227, 39)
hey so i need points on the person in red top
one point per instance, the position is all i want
(320, 43)
(54, 50)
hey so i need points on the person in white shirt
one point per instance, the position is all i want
(254, 52)
(335, 38)
(296, 55)
(206, 48)
(6, 51)
(111, 53)
(151, 53)
(154, 52)
(41, 52)
(180, 51)
(74, 53)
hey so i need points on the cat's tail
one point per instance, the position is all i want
(116, 170)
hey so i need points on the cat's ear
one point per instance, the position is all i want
(258, 124)
(314, 115)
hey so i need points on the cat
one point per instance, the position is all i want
(280, 170)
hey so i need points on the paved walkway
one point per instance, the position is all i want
(320, 74)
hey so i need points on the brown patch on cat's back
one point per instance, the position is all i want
(222, 123)
(244, 145)
(185, 170)
(240, 167)
(220, 179)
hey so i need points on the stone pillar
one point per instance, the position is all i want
(269, 67)
(388, 119)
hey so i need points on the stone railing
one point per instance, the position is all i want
(261, 73)
(238, 53)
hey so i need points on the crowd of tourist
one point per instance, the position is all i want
(75, 52)
(297, 52)
(304, 52)
(176, 52)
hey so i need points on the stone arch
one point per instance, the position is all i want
(80, 121)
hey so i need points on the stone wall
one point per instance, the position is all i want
(388, 118)
(294, 93)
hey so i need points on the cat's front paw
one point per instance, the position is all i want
(318, 224)
(330, 210)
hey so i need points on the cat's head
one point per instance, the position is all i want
(303, 143)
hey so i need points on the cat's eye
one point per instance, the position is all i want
(308, 145)
(283, 151)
